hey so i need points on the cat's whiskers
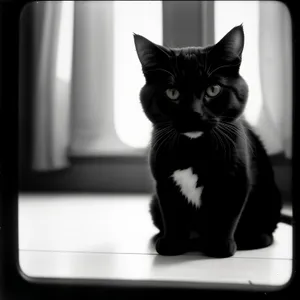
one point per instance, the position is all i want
(230, 127)
(163, 141)
(157, 141)
(215, 138)
(244, 150)
(231, 143)
(161, 127)
(220, 140)
(226, 133)
(226, 144)
(214, 135)
(161, 130)
(242, 135)
(159, 134)
(158, 138)
(159, 145)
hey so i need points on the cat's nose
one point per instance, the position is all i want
(197, 104)
(197, 107)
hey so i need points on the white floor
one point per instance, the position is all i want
(108, 237)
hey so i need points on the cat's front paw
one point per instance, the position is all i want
(167, 246)
(220, 247)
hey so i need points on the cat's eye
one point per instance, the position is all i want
(173, 94)
(213, 90)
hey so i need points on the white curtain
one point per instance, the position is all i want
(74, 88)
(275, 48)
(92, 110)
(53, 38)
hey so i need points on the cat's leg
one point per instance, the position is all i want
(225, 202)
(156, 218)
(156, 214)
(260, 218)
(173, 209)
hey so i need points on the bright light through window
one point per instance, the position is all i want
(144, 18)
(232, 13)
(64, 51)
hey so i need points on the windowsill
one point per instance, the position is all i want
(108, 237)
(120, 174)
(124, 151)
(276, 159)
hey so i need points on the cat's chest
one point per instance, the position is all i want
(188, 184)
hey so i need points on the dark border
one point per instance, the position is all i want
(13, 284)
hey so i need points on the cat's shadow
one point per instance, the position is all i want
(163, 261)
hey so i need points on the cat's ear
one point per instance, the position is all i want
(149, 54)
(232, 44)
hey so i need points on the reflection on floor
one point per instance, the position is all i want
(108, 237)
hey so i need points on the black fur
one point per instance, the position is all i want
(240, 202)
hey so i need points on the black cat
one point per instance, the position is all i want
(212, 173)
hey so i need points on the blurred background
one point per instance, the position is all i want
(82, 128)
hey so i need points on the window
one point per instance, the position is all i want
(145, 18)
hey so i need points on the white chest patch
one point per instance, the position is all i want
(187, 182)
(193, 135)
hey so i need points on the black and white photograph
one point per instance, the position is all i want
(156, 143)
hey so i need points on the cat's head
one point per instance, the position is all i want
(193, 88)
